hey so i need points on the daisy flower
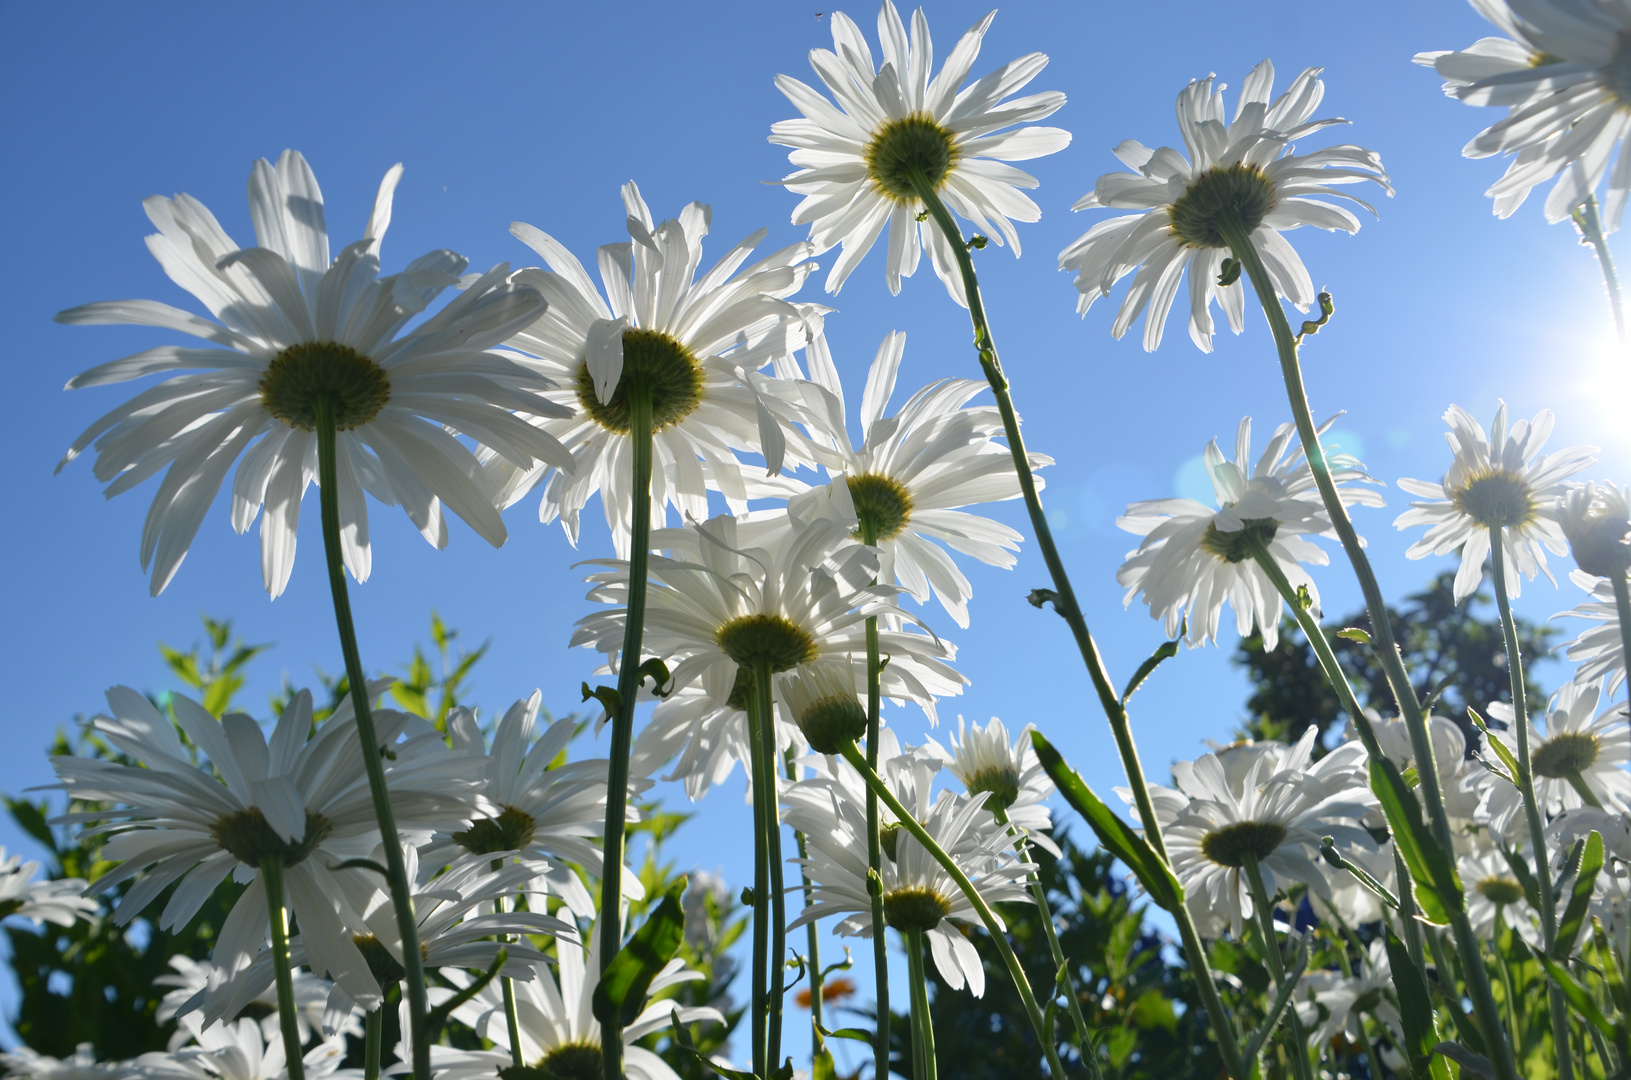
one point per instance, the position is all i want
(858, 153)
(695, 343)
(916, 470)
(1561, 73)
(1497, 481)
(705, 739)
(1596, 521)
(60, 902)
(918, 894)
(1009, 774)
(1330, 1004)
(1577, 746)
(1599, 650)
(27, 1063)
(1489, 883)
(1193, 558)
(241, 1051)
(1462, 779)
(559, 1033)
(1267, 803)
(191, 977)
(1244, 174)
(297, 797)
(295, 333)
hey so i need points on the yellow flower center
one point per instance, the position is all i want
(914, 908)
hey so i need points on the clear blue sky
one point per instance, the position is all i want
(537, 112)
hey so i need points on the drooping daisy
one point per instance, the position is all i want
(1564, 75)
(915, 470)
(241, 1051)
(1596, 521)
(1577, 746)
(26, 1063)
(1243, 174)
(1274, 811)
(1010, 774)
(559, 1033)
(190, 978)
(60, 902)
(1599, 650)
(1490, 883)
(918, 894)
(694, 344)
(294, 334)
(857, 154)
(1194, 557)
(304, 801)
(1503, 481)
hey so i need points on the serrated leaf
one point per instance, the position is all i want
(1574, 916)
(1438, 885)
(621, 993)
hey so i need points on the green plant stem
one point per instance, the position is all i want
(1064, 602)
(1385, 644)
(1298, 1043)
(1515, 1032)
(628, 690)
(1590, 224)
(512, 1019)
(1040, 895)
(373, 1035)
(1348, 937)
(874, 831)
(765, 702)
(372, 753)
(1526, 788)
(271, 874)
(759, 1010)
(993, 926)
(1622, 608)
(812, 935)
(923, 1057)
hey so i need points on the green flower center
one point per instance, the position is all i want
(511, 830)
(1495, 500)
(883, 505)
(1565, 755)
(381, 964)
(1238, 546)
(774, 639)
(1500, 890)
(901, 148)
(251, 840)
(569, 1061)
(1227, 195)
(1003, 784)
(1232, 845)
(653, 364)
(832, 723)
(914, 908)
(301, 376)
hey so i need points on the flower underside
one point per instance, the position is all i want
(511, 830)
(1238, 546)
(569, 1061)
(381, 964)
(251, 841)
(773, 639)
(656, 365)
(914, 908)
(912, 145)
(1617, 73)
(1002, 783)
(1601, 547)
(1232, 845)
(1496, 500)
(1566, 755)
(302, 376)
(882, 503)
(889, 839)
(832, 723)
(1234, 194)
(1500, 890)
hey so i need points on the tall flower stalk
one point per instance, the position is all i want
(271, 874)
(1589, 222)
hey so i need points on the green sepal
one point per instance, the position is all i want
(1579, 997)
(609, 698)
(1415, 1010)
(621, 993)
(1228, 272)
(1166, 651)
(1438, 885)
(657, 671)
(1574, 916)
(1116, 835)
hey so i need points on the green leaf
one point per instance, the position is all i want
(1166, 651)
(1282, 999)
(1610, 965)
(1331, 855)
(1574, 916)
(1578, 996)
(1116, 835)
(683, 1039)
(621, 993)
(1526, 878)
(859, 1035)
(1415, 1008)
(822, 1067)
(1438, 885)
(1498, 746)
(1470, 1060)
(1353, 633)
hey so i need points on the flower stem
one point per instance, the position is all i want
(993, 925)
(373, 1034)
(812, 934)
(758, 767)
(1348, 937)
(271, 873)
(372, 753)
(1298, 1043)
(765, 703)
(638, 397)
(1386, 646)
(1526, 788)
(1622, 607)
(923, 1058)
(1590, 224)
(512, 1018)
(874, 830)
(1040, 895)
(1516, 1032)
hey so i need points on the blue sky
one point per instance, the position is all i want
(537, 112)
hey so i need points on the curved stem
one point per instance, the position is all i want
(1040, 895)
(874, 832)
(271, 874)
(373, 1036)
(1277, 965)
(766, 704)
(362, 709)
(925, 1066)
(1590, 224)
(812, 934)
(993, 926)
(759, 1010)
(628, 690)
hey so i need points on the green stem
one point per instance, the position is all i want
(1515, 1032)
(1582, 789)
(1622, 607)
(1385, 644)
(1298, 1043)
(765, 702)
(372, 753)
(1040, 895)
(812, 934)
(759, 1010)
(1064, 602)
(874, 832)
(512, 1018)
(1348, 937)
(925, 1066)
(638, 397)
(373, 1028)
(271, 871)
(994, 927)
(1590, 224)
(1526, 788)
